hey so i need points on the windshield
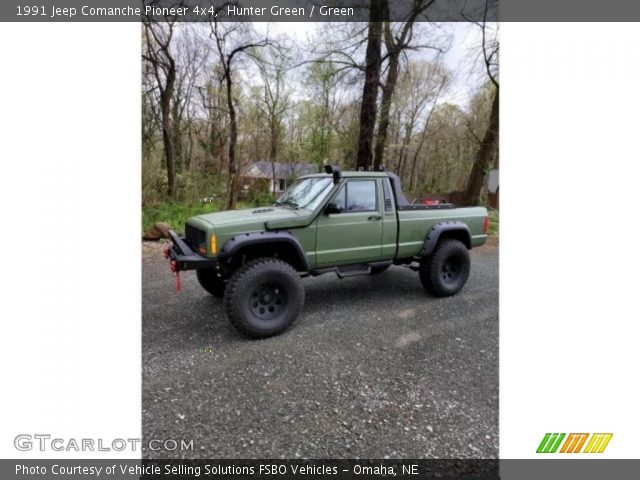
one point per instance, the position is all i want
(307, 193)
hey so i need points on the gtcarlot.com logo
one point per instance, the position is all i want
(574, 442)
(45, 442)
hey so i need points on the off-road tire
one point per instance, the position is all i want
(445, 271)
(264, 297)
(211, 282)
(379, 269)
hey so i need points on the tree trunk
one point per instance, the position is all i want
(189, 156)
(156, 58)
(177, 137)
(414, 163)
(385, 106)
(408, 132)
(395, 45)
(412, 176)
(484, 156)
(324, 125)
(233, 140)
(167, 131)
(423, 136)
(368, 108)
(273, 151)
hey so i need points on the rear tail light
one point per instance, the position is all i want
(485, 225)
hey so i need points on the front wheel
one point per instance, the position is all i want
(264, 297)
(445, 271)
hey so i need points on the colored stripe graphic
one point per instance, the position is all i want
(569, 441)
(598, 442)
(543, 443)
(581, 443)
(550, 442)
(606, 442)
(574, 442)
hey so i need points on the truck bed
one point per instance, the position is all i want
(415, 221)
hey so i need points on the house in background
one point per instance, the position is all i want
(261, 175)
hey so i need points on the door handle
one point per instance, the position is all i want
(375, 217)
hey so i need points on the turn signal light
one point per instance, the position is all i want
(213, 243)
(485, 226)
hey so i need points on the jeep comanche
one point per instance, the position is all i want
(351, 223)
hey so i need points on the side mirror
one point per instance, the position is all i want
(332, 208)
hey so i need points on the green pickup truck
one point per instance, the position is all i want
(351, 223)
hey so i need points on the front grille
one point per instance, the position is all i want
(195, 237)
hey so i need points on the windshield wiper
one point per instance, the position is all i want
(289, 202)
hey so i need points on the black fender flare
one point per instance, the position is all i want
(234, 244)
(436, 231)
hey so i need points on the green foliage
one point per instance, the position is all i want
(494, 223)
(191, 186)
(257, 198)
(175, 214)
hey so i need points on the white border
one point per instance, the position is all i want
(70, 287)
(570, 156)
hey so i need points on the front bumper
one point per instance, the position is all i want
(183, 258)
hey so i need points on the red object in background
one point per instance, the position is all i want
(430, 201)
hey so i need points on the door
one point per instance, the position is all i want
(352, 233)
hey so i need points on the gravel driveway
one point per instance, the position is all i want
(373, 368)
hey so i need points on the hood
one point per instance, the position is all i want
(252, 216)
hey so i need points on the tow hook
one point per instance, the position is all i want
(174, 269)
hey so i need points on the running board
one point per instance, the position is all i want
(354, 270)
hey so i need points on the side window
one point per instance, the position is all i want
(340, 200)
(361, 195)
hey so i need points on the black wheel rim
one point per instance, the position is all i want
(451, 270)
(268, 300)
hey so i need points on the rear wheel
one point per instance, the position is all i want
(211, 281)
(445, 271)
(264, 297)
